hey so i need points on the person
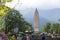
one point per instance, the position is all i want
(24, 38)
(19, 37)
(30, 35)
(0, 37)
(13, 37)
(28, 38)
(49, 36)
(43, 36)
(5, 38)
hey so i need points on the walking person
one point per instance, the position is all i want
(27, 37)
(43, 36)
(30, 36)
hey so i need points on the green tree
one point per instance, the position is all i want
(54, 27)
(27, 26)
(3, 12)
(3, 2)
(59, 29)
(47, 27)
(15, 19)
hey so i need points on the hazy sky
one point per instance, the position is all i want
(42, 4)
(46, 5)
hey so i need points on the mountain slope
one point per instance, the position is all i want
(52, 15)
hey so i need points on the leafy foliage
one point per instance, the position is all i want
(9, 0)
(47, 27)
(12, 19)
(3, 10)
(15, 19)
(0, 21)
(3, 2)
(53, 27)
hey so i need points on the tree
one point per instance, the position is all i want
(3, 2)
(3, 12)
(47, 27)
(15, 19)
(59, 30)
(54, 27)
(27, 26)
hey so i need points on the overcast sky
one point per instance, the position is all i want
(42, 4)
(46, 5)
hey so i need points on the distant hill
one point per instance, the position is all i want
(52, 15)
(42, 21)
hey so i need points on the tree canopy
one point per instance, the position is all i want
(47, 27)
(12, 18)
(3, 10)
(3, 2)
(15, 19)
(52, 27)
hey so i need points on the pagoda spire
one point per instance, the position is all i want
(36, 21)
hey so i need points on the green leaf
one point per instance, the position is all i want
(9, 0)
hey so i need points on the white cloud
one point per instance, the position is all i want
(42, 4)
(12, 4)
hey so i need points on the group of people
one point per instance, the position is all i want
(3, 36)
(34, 37)
(38, 37)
